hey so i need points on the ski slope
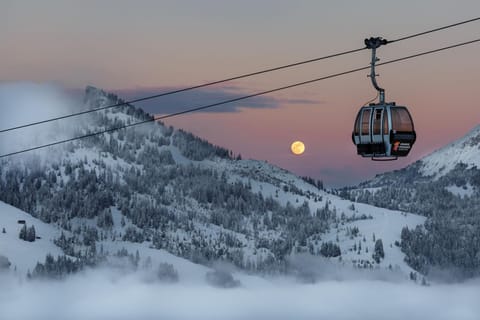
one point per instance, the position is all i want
(381, 223)
(464, 150)
(24, 255)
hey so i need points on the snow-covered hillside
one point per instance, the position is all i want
(445, 188)
(170, 195)
(372, 222)
(465, 150)
(24, 255)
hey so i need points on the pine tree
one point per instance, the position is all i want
(31, 236)
(167, 273)
(330, 249)
(4, 263)
(147, 264)
(378, 251)
(137, 258)
(413, 276)
(424, 282)
(23, 233)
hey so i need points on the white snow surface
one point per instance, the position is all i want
(464, 191)
(22, 254)
(464, 150)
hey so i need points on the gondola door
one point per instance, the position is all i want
(365, 136)
(377, 131)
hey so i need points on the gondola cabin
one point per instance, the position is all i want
(383, 131)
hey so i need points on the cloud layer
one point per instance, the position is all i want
(26, 102)
(103, 295)
(195, 98)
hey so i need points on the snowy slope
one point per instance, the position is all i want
(445, 188)
(380, 223)
(465, 150)
(24, 255)
(272, 181)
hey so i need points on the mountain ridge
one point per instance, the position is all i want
(176, 192)
(465, 150)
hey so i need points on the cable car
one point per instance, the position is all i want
(382, 131)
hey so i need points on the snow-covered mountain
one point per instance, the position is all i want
(465, 151)
(168, 195)
(445, 187)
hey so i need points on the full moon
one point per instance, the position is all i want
(297, 147)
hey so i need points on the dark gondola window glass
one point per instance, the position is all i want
(365, 121)
(377, 121)
(385, 124)
(356, 129)
(401, 120)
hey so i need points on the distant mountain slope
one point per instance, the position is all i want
(445, 187)
(164, 189)
(465, 151)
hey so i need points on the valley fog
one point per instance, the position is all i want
(102, 294)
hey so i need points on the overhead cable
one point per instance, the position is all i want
(208, 106)
(295, 64)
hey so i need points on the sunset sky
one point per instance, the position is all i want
(136, 48)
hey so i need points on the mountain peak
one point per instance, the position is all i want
(96, 98)
(465, 150)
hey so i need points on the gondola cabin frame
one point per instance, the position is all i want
(383, 131)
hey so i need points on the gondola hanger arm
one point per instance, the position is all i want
(373, 43)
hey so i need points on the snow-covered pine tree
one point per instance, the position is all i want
(378, 251)
(31, 234)
(23, 233)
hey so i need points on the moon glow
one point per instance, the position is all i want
(297, 147)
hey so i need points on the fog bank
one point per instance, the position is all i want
(23, 103)
(102, 295)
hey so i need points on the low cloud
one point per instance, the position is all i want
(195, 98)
(312, 269)
(25, 103)
(101, 294)
(303, 101)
